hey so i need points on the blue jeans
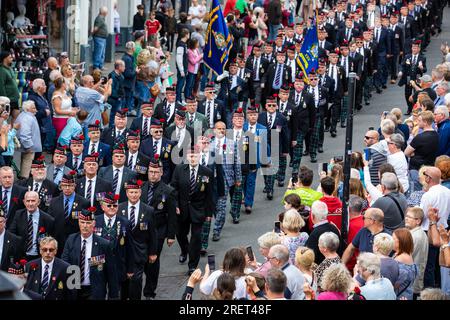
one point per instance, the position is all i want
(180, 85)
(249, 182)
(273, 31)
(99, 52)
(190, 82)
(128, 101)
(143, 93)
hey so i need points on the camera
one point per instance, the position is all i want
(294, 178)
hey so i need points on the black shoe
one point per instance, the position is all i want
(265, 190)
(320, 149)
(327, 129)
(379, 90)
(343, 125)
(281, 184)
(367, 103)
(333, 134)
(216, 237)
(313, 159)
(182, 258)
(191, 271)
(269, 195)
(384, 86)
(358, 107)
(407, 114)
(236, 220)
(203, 252)
(370, 95)
(306, 152)
(248, 210)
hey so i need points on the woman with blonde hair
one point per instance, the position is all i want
(304, 261)
(336, 284)
(293, 238)
(416, 196)
(265, 242)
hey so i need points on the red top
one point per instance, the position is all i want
(355, 224)
(152, 26)
(334, 211)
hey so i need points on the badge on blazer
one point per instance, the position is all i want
(202, 188)
(100, 267)
(98, 231)
(219, 116)
(205, 179)
(60, 285)
(140, 169)
(160, 206)
(143, 226)
(278, 129)
(408, 62)
(244, 147)
(304, 105)
(262, 70)
(122, 241)
(118, 228)
(75, 215)
(166, 155)
(257, 139)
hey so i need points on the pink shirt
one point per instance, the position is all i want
(194, 58)
(329, 295)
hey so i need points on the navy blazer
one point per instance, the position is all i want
(107, 173)
(219, 110)
(15, 203)
(165, 155)
(102, 276)
(279, 124)
(12, 250)
(101, 186)
(104, 152)
(47, 192)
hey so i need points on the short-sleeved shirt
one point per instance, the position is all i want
(426, 146)
(364, 240)
(152, 26)
(102, 27)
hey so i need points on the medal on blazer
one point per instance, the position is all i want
(60, 285)
(122, 241)
(143, 226)
(75, 215)
(118, 228)
(202, 189)
(166, 155)
(245, 143)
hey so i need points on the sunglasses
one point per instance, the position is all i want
(112, 205)
(426, 175)
(367, 138)
(158, 131)
(48, 249)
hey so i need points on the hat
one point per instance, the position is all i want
(138, 34)
(38, 163)
(322, 61)
(417, 42)
(119, 149)
(122, 113)
(181, 113)
(291, 47)
(133, 184)
(239, 112)
(87, 214)
(312, 71)
(269, 42)
(155, 124)
(233, 63)
(77, 140)
(258, 44)
(17, 268)
(426, 78)
(300, 77)
(91, 157)
(61, 150)
(69, 177)
(272, 99)
(64, 54)
(285, 88)
(171, 89)
(94, 126)
(191, 99)
(134, 135)
(155, 163)
(111, 198)
(252, 109)
(283, 51)
(210, 86)
(147, 104)
(344, 44)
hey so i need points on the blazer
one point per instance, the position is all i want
(69, 164)
(101, 186)
(47, 191)
(198, 205)
(137, 125)
(66, 226)
(107, 173)
(165, 155)
(280, 124)
(229, 163)
(20, 224)
(170, 134)
(104, 152)
(385, 44)
(144, 232)
(160, 114)
(412, 71)
(57, 287)
(263, 67)
(231, 97)
(12, 250)
(199, 119)
(304, 114)
(258, 139)
(121, 240)
(219, 111)
(269, 76)
(342, 85)
(397, 40)
(109, 137)
(141, 166)
(51, 171)
(103, 275)
(15, 202)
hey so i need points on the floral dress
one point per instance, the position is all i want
(292, 243)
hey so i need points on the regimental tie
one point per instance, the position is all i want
(203, 159)
(109, 223)
(116, 180)
(75, 163)
(30, 233)
(270, 120)
(133, 216)
(145, 126)
(89, 191)
(208, 111)
(92, 148)
(55, 174)
(191, 119)
(130, 161)
(36, 187)
(44, 283)
(5, 202)
(178, 135)
(150, 193)
(192, 181)
(82, 262)
(167, 110)
(155, 147)
(278, 75)
(66, 208)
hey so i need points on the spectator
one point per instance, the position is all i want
(233, 263)
(8, 83)
(441, 90)
(171, 28)
(116, 24)
(52, 64)
(117, 89)
(29, 137)
(356, 223)
(62, 106)
(304, 261)
(444, 166)
(182, 62)
(375, 192)
(303, 187)
(383, 244)
(139, 20)
(256, 284)
(333, 203)
(152, 27)
(7, 135)
(73, 128)
(397, 159)
(183, 24)
(441, 117)
(194, 59)
(337, 173)
(376, 287)
(413, 222)
(328, 245)
(293, 201)
(274, 15)
(321, 225)
(265, 242)
(69, 77)
(293, 238)
(363, 241)
(100, 33)
(226, 286)
(279, 258)
(336, 284)
(357, 189)
(433, 294)
(55, 74)
(276, 284)
(236, 29)
(404, 247)
(139, 41)
(196, 13)
(393, 203)
(129, 77)
(397, 112)
(378, 155)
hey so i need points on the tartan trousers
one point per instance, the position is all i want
(269, 181)
(205, 234)
(281, 173)
(220, 216)
(236, 201)
(298, 152)
(314, 137)
(344, 109)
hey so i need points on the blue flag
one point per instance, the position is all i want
(218, 40)
(308, 58)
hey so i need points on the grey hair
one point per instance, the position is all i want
(47, 240)
(31, 192)
(269, 239)
(384, 243)
(130, 45)
(398, 140)
(319, 210)
(355, 203)
(390, 181)
(370, 262)
(387, 126)
(26, 105)
(103, 10)
(329, 240)
(280, 252)
(7, 169)
(4, 100)
(444, 85)
(433, 294)
(37, 83)
(442, 109)
(55, 74)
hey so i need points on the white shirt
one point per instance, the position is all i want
(183, 133)
(196, 12)
(119, 132)
(233, 82)
(94, 180)
(196, 171)
(34, 249)
(346, 64)
(256, 64)
(315, 92)
(204, 155)
(90, 147)
(274, 115)
(106, 218)
(2, 241)
(50, 268)
(207, 287)
(134, 159)
(158, 146)
(437, 197)
(119, 182)
(398, 161)
(136, 211)
(87, 280)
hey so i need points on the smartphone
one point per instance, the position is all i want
(212, 262)
(250, 254)
(325, 167)
(338, 159)
(277, 228)
(8, 108)
(103, 80)
(367, 154)
(294, 178)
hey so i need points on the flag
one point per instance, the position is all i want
(218, 40)
(308, 57)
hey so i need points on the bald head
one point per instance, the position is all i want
(371, 137)
(52, 63)
(434, 174)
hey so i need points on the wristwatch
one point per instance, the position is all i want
(444, 246)
(432, 223)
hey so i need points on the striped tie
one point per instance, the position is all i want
(30, 233)
(44, 283)
(66, 208)
(132, 216)
(92, 148)
(207, 111)
(145, 127)
(270, 121)
(82, 261)
(278, 76)
(89, 191)
(5, 202)
(36, 187)
(55, 174)
(116, 180)
(155, 147)
(150, 193)
(192, 182)
(130, 161)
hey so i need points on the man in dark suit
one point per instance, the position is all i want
(212, 108)
(57, 169)
(382, 38)
(166, 109)
(268, 54)
(117, 230)
(47, 276)
(327, 83)
(75, 157)
(116, 134)
(337, 73)
(278, 74)
(398, 40)
(117, 173)
(273, 120)
(348, 32)
(414, 65)
(135, 160)
(94, 256)
(143, 230)
(143, 122)
(91, 187)
(409, 28)
(11, 194)
(180, 133)
(193, 182)
(94, 145)
(324, 46)
(10, 245)
(65, 210)
(258, 66)
(357, 66)
(162, 198)
(46, 189)
(303, 119)
(32, 224)
(155, 146)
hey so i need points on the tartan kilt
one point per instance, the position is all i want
(206, 227)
